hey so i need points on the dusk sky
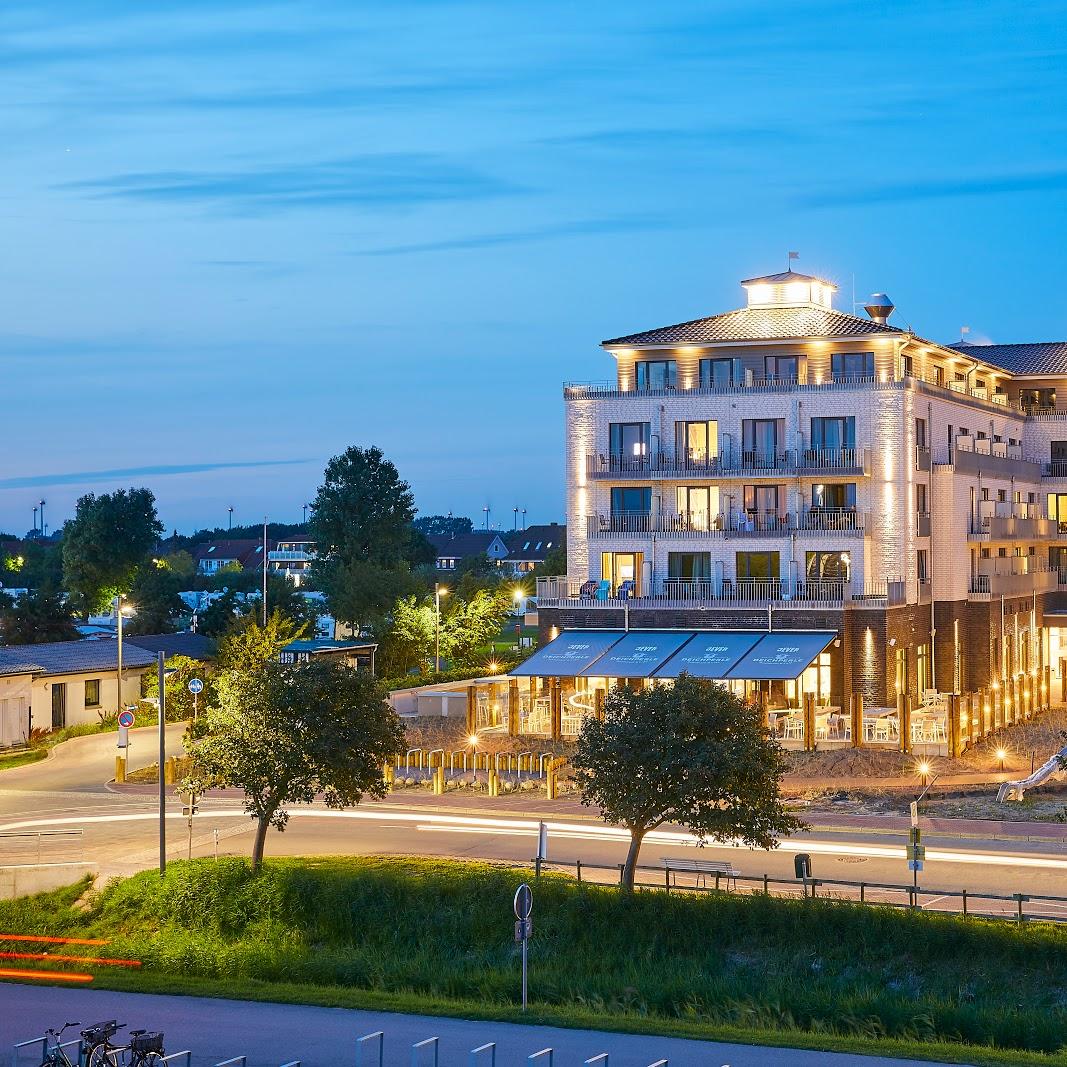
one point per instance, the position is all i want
(239, 237)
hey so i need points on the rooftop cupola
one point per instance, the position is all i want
(879, 307)
(789, 289)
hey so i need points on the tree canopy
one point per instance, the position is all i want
(154, 597)
(690, 753)
(38, 616)
(290, 732)
(443, 525)
(249, 646)
(180, 671)
(110, 536)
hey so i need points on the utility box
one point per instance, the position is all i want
(802, 865)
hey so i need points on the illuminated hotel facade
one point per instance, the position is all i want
(789, 466)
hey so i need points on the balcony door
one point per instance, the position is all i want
(628, 445)
(623, 571)
(759, 574)
(832, 433)
(631, 507)
(760, 438)
(764, 506)
(697, 443)
(59, 705)
(698, 506)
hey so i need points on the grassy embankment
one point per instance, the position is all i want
(434, 936)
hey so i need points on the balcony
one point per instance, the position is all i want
(977, 455)
(922, 458)
(845, 522)
(922, 524)
(1056, 468)
(1011, 576)
(1005, 521)
(854, 462)
(779, 593)
(285, 556)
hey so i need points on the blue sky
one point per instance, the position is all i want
(239, 236)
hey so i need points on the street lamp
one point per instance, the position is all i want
(1001, 756)
(120, 611)
(230, 510)
(438, 592)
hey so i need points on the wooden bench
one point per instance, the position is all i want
(701, 868)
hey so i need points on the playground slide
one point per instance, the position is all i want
(1015, 790)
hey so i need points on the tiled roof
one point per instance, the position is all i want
(195, 646)
(758, 324)
(784, 278)
(460, 547)
(535, 542)
(74, 657)
(1042, 357)
(247, 551)
(19, 668)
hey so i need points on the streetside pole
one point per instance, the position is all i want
(265, 570)
(162, 761)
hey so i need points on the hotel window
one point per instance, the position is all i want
(759, 440)
(763, 501)
(939, 376)
(631, 500)
(698, 505)
(834, 432)
(833, 496)
(758, 566)
(628, 440)
(92, 692)
(657, 373)
(719, 373)
(922, 568)
(1038, 399)
(618, 568)
(689, 565)
(921, 507)
(696, 443)
(782, 368)
(1057, 510)
(922, 658)
(827, 566)
(850, 366)
(909, 366)
(920, 433)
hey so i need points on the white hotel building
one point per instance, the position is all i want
(788, 464)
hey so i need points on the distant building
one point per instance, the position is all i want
(292, 559)
(358, 654)
(530, 548)
(65, 683)
(191, 645)
(452, 551)
(246, 553)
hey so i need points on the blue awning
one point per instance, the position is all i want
(638, 654)
(710, 654)
(568, 655)
(782, 655)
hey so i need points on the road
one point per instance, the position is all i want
(271, 1034)
(119, 834)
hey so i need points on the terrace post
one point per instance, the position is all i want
(904, 720)
(555, 693)
(1046, 693)
(997, 709)
(598, 703)
(513, 707)
(765, 711)
(857, 720)
(954, 745)
(809, 722)
(472, 709)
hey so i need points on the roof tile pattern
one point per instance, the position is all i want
(74, 657)
(1043, 357)
(758, 324)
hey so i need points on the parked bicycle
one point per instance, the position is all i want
(96, 1042)
(144, 1050)
(56, 1056)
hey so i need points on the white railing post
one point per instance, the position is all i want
(361, 1043)
(490, 1048)
(419, 1045)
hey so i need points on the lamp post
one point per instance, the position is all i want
(486, 510)
(305, 514)
(118, 631)
(438, 592)
(35, 520)
(44, 528)
(230, 526)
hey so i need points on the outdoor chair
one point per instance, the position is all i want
(588, 589)
(603, 590)
(626, 590)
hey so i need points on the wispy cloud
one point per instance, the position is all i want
(579, 228)
(158, 471)
(645, 138)
(940, 189)
(388, 180)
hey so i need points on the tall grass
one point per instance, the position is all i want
(444, 930)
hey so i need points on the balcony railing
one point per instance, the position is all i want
(986, 586)
(1056, 468)
(730, 464)
(284, 556)
(726, 592)
(846, 521)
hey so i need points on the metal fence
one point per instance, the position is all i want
(1016, 907)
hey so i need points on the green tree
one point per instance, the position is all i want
(154, 597)
(407, 641)
(554, 564)
(36, 617)
(474, 574)
(286, 598)
(288, 733)
(690, 753)
(42, 565)
(219, 616)
(249, 646)
(181, 670)
(110, 536)
(473, 623)
(443, 525)
(362, 521)
(181, 563)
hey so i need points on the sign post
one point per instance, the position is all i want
(126, 719)
(196, 687)
(523, 906)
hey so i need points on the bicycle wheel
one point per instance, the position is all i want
(103, 1056)
(151, 1059)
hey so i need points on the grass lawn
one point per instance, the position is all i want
(436, 936)
(21, 757)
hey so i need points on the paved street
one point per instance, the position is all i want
(272, 1034)
(119, 833)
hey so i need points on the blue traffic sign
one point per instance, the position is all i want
(195, 686)
(126, 718)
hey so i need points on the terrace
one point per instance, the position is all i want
(732, 464)
(846, 522)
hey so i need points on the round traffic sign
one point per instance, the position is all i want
(196, 685)
(126, 718)
(523, 902)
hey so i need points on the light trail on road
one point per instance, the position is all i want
(510, 827)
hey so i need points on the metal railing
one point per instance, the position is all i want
(36, 837)
(730, 463)
(1014, 907)
(847, 521)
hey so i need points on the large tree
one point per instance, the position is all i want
(38, 616)
(249, 646)
(154, 598)
(110, 536)
(362, 522)
(290, 733)
(690, 753)
(181, 670)
(443, 525)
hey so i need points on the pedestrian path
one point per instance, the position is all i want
(273, 1034)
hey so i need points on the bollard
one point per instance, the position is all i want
(120, 768)
(388, 774)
